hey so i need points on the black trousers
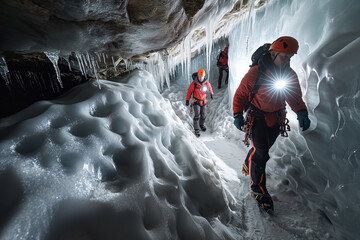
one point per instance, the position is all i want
(221, 76)
(263, 137)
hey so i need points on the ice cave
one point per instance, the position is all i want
(96, 140)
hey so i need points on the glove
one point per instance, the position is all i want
(238, 121)
(303, 119)
(187, 103)
(211, 96)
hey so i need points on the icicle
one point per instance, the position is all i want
(209, 37)
(241, 6)
(54, 57)
(68, 61)
(19, 79)
(99, 56)
(126, 64)
(81, 64)
(113, 63)
(186, 55)
(182, 57)
(4, 71)
(249, 23)
(94, 63)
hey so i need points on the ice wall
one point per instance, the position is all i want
(322, 164)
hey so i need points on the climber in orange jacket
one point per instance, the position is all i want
(222, 64)
(266, 109)
(198, 89)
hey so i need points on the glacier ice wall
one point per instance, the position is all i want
(321, 164)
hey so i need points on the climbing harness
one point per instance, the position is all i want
(253, 113)
(249, 121)
(283, 123)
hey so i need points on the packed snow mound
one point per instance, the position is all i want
(111, 162)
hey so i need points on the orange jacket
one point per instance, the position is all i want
(199, 90)
(267, 99)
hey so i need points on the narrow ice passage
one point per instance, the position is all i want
(292, 220)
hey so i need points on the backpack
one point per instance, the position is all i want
(255, 57)
(193, 76)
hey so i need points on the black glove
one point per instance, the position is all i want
(303, 119)
(239, 121)
(187, 103)
(211, 96)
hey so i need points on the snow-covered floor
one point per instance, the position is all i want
(291, 219)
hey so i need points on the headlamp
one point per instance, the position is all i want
(280, 84)
(204, 89)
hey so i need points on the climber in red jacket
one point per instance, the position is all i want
(222, 64)
(265, 113)
(198, 89)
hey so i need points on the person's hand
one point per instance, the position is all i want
(239, 121)
(303, 119)
(211, 96)
(187, 103)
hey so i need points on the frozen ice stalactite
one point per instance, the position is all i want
(114, 65)
(54, 57)
(210, 27)
(4, 70)
(94, 68)
(88, 63)
(81, 64)
(186, 56)
(249, 22)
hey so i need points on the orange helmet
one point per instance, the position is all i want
(285, 45)
(201, 72)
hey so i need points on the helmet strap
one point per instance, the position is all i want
(277, 54)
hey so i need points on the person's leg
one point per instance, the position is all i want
(258, 157)
(220, 77)
(245, 166)
(227, 76)
(196, 117)
(272, 134)
(202, 115)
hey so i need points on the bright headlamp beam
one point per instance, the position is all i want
(280, 84)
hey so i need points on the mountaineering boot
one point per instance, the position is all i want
(245, 169)
(203, 128)
(264, 201)
(197, 133)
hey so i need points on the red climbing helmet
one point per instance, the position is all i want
(285, 45)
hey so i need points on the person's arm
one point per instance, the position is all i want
(190, 91)
(294, 98)
(210, 88)
(297, 104)
(244, 90)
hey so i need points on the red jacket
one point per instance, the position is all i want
(266, 99)
(223, 60)
(198, 89)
